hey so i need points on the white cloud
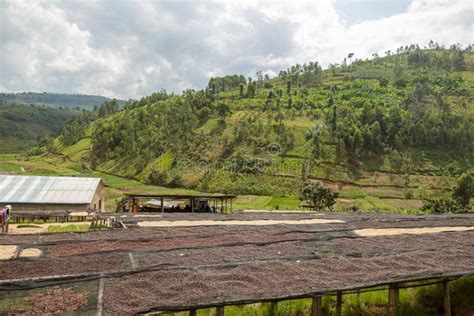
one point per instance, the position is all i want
(130, 49)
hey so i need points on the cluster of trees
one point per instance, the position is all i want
(75, 129)
(447, 60)
(306, 73)
(152, 98)
(142, 135)
(374, 128)
(225, 83)
(460, 201)
(254, 133)
(27, 122)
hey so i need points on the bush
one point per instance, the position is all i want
(318, 197)
(443, 206)
(156, 177)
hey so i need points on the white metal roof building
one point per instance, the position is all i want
(38, 192)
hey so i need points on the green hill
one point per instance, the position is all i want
(22, 126)
(64, 100)
(387, 133)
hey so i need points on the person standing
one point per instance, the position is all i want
(5, 217)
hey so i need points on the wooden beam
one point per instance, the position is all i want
(220, 311)
(447, 299)
(393, 298)
(162, 201)
(339, 303)
(273, 308)
(192, 204)
(316, 306)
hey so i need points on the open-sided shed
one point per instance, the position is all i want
(216, 203)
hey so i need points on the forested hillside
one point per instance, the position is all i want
(386, 132)
(56, 99)
(22, 127)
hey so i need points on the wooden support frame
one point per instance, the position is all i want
(316, 306)
(220, 311)
(393, 288)
(393, 299)
(447, 299)
(339, 303)
(273, 308)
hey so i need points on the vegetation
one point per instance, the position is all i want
(464, 189)
(388, 132)
(461, 198)
(318, 197)
(22, 126)
(68, 228)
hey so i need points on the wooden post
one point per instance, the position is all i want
(339, 303)
(192, 204)
(273, 308)
(447, 299)
(393, 297)
(192, 312)
(220, 311)
(162, 201)
(231, 205)
(316, 308)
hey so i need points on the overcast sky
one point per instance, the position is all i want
(129, 49)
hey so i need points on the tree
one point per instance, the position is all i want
(333, 116)
(458, 60)
(288, 87)
(251, 89)
(314, 135)
(108, 107)
(223, 110)
(241, 90)
(464, 189)
(441, 206)
(318, 197)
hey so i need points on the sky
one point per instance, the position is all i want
(129, 49)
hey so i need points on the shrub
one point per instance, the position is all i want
(318, 196)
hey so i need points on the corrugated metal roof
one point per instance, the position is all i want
(47, 190)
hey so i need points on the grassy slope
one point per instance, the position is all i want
(21, 124)
(373, 184)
